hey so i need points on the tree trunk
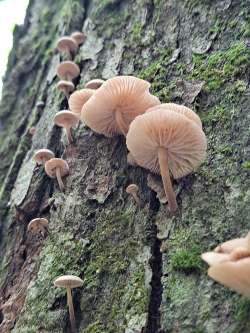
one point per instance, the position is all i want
(141, 268)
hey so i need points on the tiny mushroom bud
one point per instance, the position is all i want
(32, 130)
(40, 104)
(78, 37)
(67, 45)
(69, 282)
(43, 155)
(133, 190)
(66, 119)
(38, 225)
(164, 141)
(67, 70)
(66, 87)
(94, 84)
(57, 167)
(78, 99)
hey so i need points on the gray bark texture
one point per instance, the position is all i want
(141, 267)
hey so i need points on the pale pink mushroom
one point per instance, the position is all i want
(133, 190)
(57, 168)
(67, 70)
(66, 87)
(116, 103)
(67, 45)
(43, 155)
(166, 142)
(78, 99)
(78, 37)
(66, 119)
(94, 84)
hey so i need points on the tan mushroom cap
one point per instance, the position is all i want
(78, 37)
(68, 281)
(233, 274)
(65, 85)
(179, 109)
(116, 103)
(67, 70)
(183, 141)
(54, 163)
(231, 245)
(78, 99)
(94, 84)
(43, 155)
(65, 118)
(37, 224)
(67, 44)
(132, 188)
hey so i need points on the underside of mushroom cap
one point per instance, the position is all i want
(116, 103)
(179, 109)
(65, 118)
(63, 85)
(43, 155)
(68, 281)
(66, 44)
(37, 224)
(94, 84)
(184, 142)
(78, 37)
(67, 70)
(78, 99)
(54, 163)
(233, 274)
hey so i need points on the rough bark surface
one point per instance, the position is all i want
(141, 268)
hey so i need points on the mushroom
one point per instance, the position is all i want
(67, 70)
(69, 282)
(165, 141)
(66, 119)
(66, 87)
(116, 103)
(43, 155)
(78, 99)
(94, 84)
(57, 167)
(78, 37)
(40, 104)
(180, 109)
(32, 130)
(67, 45)
(133, 190)
(38, 224)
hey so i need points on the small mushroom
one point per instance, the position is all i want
(66, 119)
(67, 45)
(38, 225)
(40, 104)
(78, 99)
(66, 87)
(69, 282)
(32, 130)
(116, 103)
(78, 37)
(165, 141)
(57, 167)
(133, 190)
(94, 84)
(67, 70)
(43, 155)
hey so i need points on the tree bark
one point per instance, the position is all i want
(141, 267)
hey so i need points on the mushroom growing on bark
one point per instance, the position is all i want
(69, 282)
(78, 99)
(166, 142)
(133, 190)
(67, 70)
(66, 119)
(116, 103)
(40, 104)
(57, 168)
(94, 84)
(78, 37)
(43, 155)
(66, 87)
(38, 225)
(67, 45)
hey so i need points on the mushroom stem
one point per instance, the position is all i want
(69, 134)
(163, 161)
(59, 179)
(136, 198)
(68, 77)
(120, 122)
(71, 311)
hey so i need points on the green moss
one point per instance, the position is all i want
(241, 314)
(135, 31)
(246, 165)
(186, 259)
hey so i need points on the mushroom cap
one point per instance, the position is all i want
(43, 154)
(65, 118)
(67, 68)
(78, 99)
(184, 141)
(37, 224)
(78, 37)
(40, 104)
(212, 258)
(68, 281)
(66, 44)
(127, 96)
(179, 109)
(65, 85)
(229, 246)
(233, 274)
(94, 84)
(132, 188)
(54, 163)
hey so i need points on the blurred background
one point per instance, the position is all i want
(12, 12)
